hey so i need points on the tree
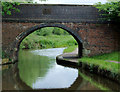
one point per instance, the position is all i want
(59, 31)
(113, 0)
(44, 31)
(7, 7)
(111, 11)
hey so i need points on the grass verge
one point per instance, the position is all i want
(70, 49)
(102, 61)
(34, 41)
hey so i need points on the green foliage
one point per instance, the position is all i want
(113, 0)
(51, 30)
(34, 41)
(30, 66)
(101, 61)
(59, 31)
(0, 52)
(49, 37)
(109, 56)
(44, 31)
(70, 48)
(10, 5)
(4, 55)
(7, 7)
(111, 11)
(93, 82)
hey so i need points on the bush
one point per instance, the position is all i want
(111, 11)
(7, 7)
(59, 31)
(44, 31)
(34, 41)
(51, 31)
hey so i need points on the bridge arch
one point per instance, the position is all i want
(24, 34)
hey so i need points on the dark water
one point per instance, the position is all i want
(38, 70)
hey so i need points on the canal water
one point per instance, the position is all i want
(38, 70)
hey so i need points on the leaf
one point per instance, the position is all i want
(111, 10)
(9, 12)
(17, 10)
(7, 7)
(119, 14)
(3, 13)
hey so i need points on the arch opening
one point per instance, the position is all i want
(20, 38)
(41, 64)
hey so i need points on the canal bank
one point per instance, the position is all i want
(72, 60)
(38, 70)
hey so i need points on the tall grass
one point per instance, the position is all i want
(70, 48)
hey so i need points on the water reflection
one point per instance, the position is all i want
(36, 69)
(100, 82)
(44, 75)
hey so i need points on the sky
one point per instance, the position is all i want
(79, 2)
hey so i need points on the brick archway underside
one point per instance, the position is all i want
(16, 44)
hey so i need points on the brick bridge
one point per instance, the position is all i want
(93, 36)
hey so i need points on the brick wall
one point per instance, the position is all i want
(96, 38)
(100, 38)
(53, 13)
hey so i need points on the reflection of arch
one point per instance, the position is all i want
(30, 30)
(77, 83)
(22, 85)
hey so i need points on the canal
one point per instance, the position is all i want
(38, 70)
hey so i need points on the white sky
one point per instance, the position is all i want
(85, 2)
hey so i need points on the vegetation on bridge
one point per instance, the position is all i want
(7, 7)
(111, 10)
(10, 5)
